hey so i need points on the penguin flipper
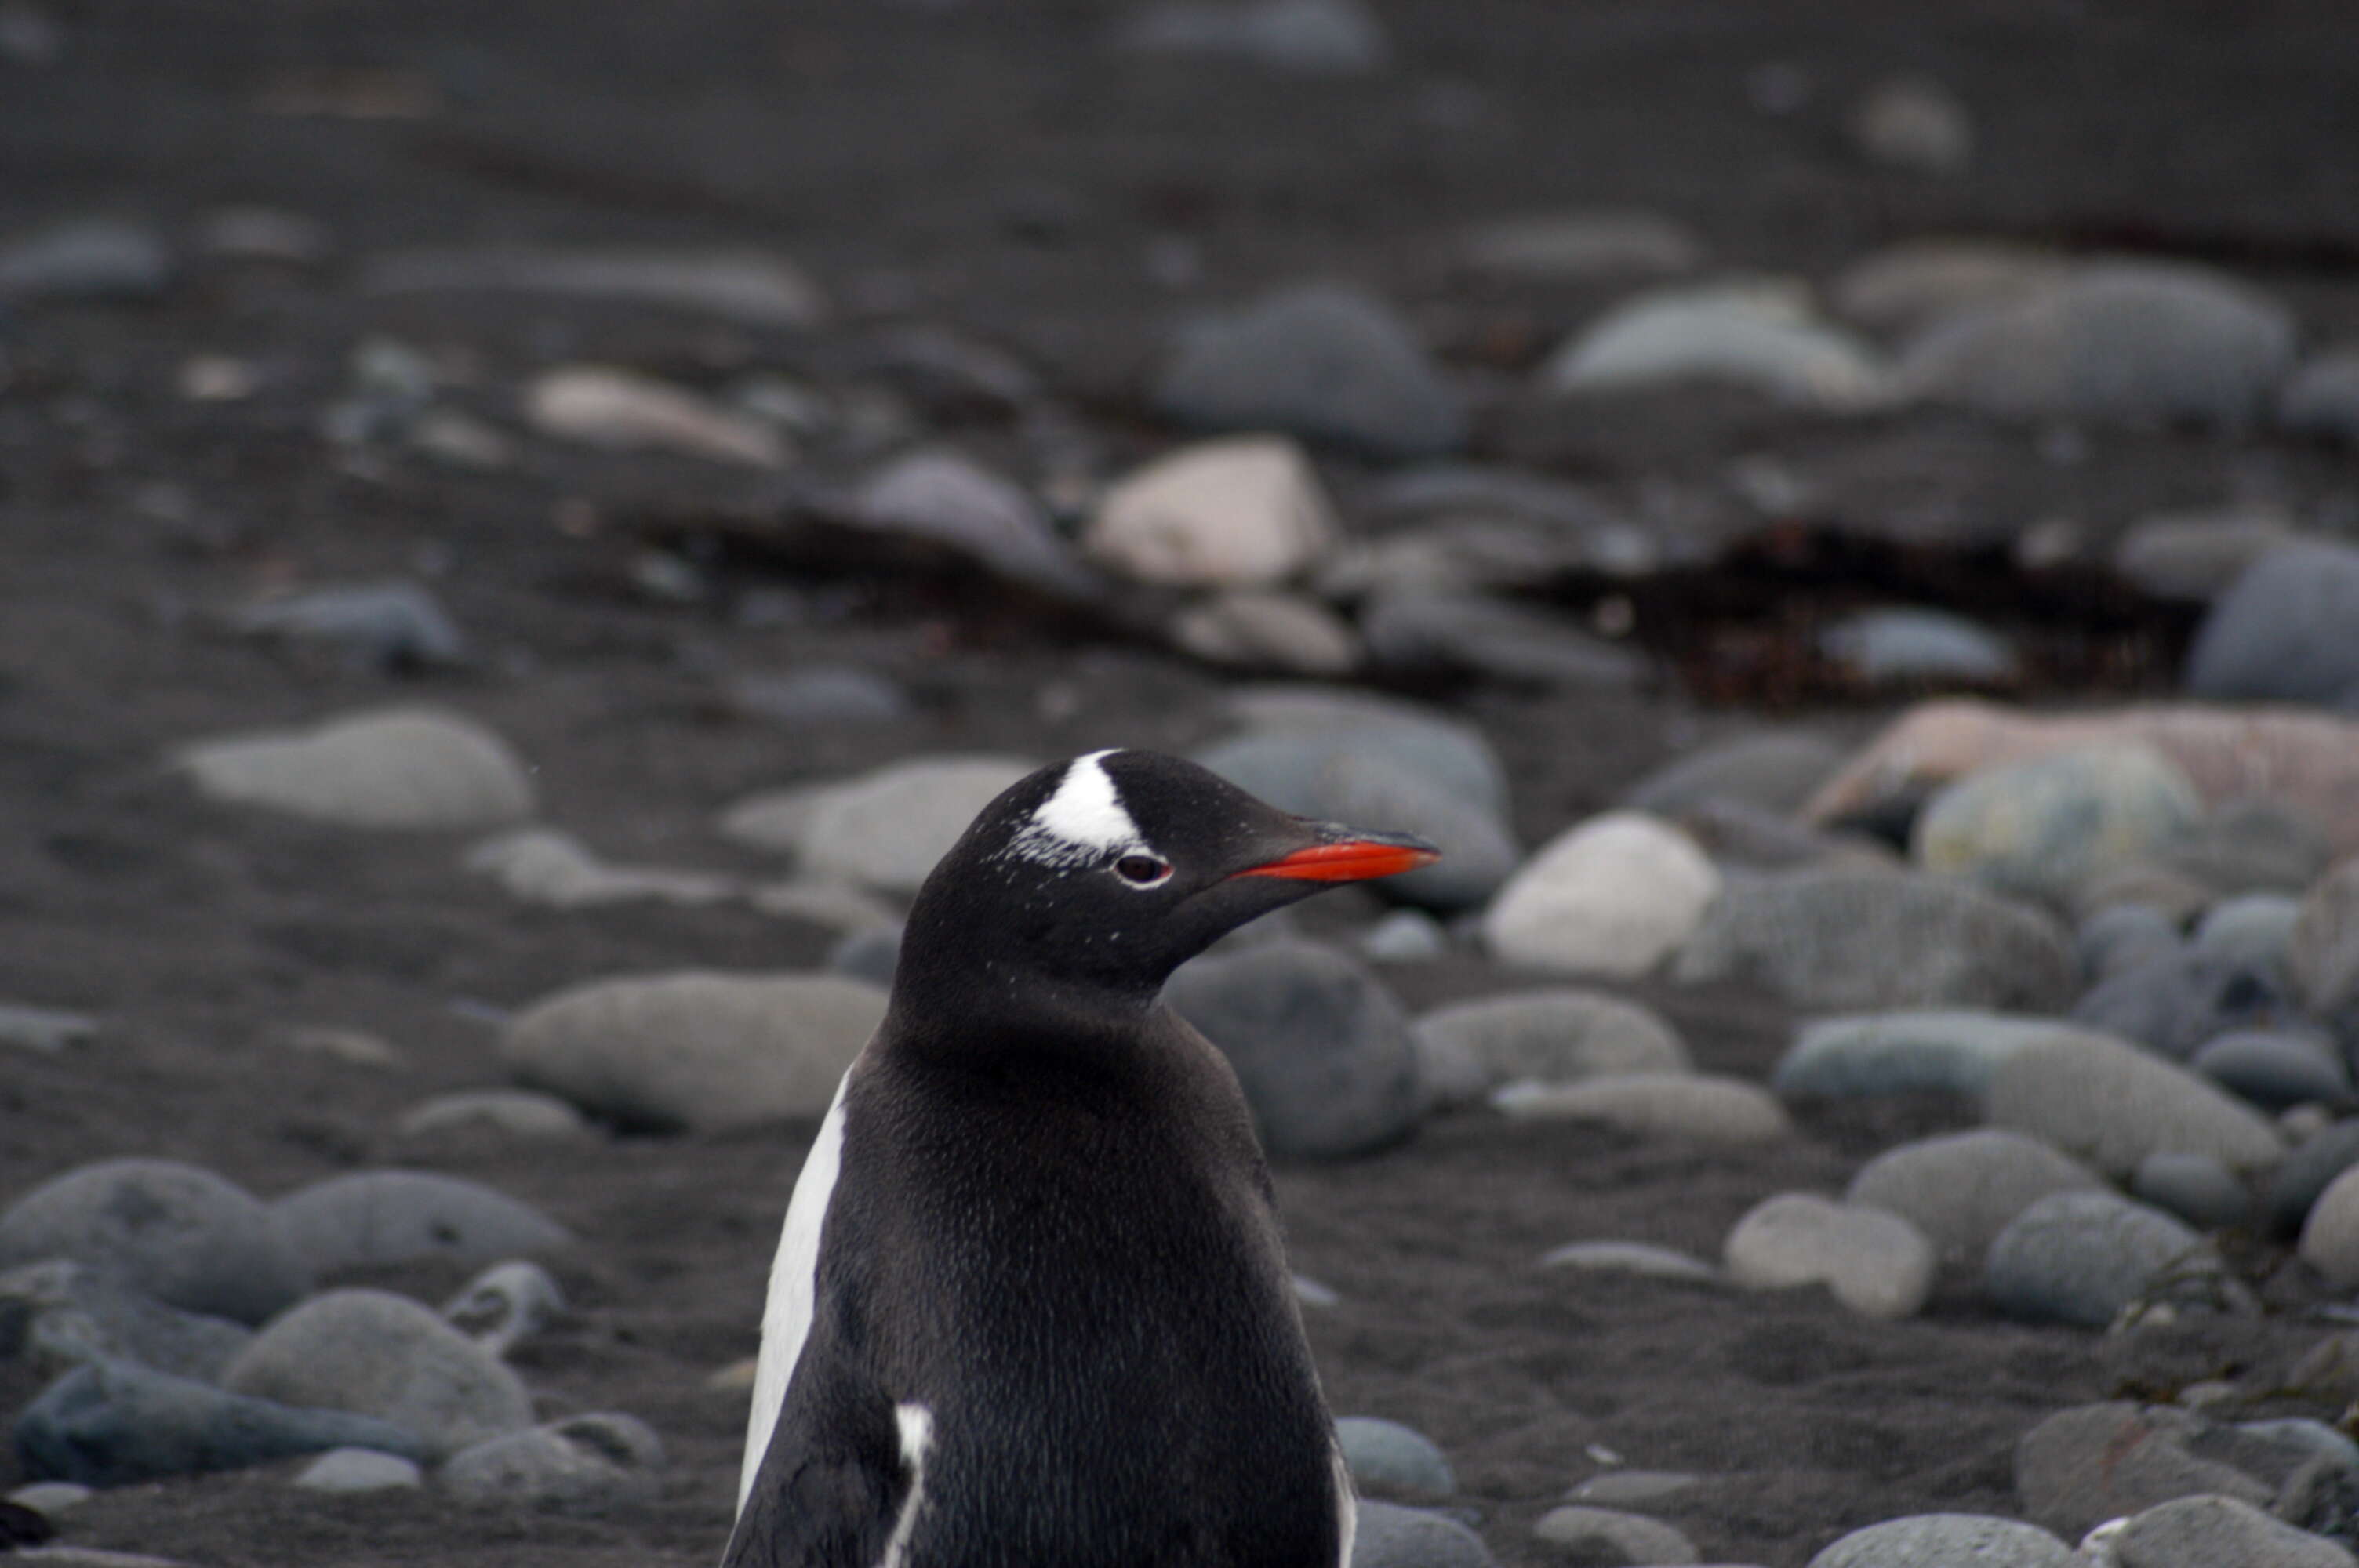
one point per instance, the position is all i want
(831, 1501)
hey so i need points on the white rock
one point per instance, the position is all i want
(544, 865)
(1583, 245)
(1614, 895)
(1641, 1257)
(351, 1470)
(398, 767)
(1758, 335)
(1915, 122)
(1673, 1105)
(1874, 1261)
(1242, 512)
(883, 829)
(599, 406)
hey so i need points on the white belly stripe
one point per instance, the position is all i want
(917, 1425)
(794, 1287)
(1347, 1512)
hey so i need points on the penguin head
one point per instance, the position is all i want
(1107, 871)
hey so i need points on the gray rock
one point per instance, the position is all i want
(1582, 246)
(1836, 938)
(1632, 1488)
(2092, 1463)
(621, 411)
(1918, 647)
(1756, 335)
(60, 1313)
(1391, 1536)
(2173, 1002)
(1557, 1036)
(2194, 1187)
(2254, 931)
(1945, 1049)
(1609, 1535)
(2288, 631)
(747, 287)
(398, 768)
(585, 1464)
(2110, 1105)
(388, 625)
(349, 1471)
(1903, 288)
(1698, 1105)
(51, 1498)
(111, 1423)
(2195, 556)
(1776, 770)
(2322, 953)
(86, 259)
(1296, 736)
(506, 1305)
(377, 1354)
(44, 1028)
(1323, 1050)
(1640, 1257)
(2274, 1069)
(509, 1113)
(2042, 827)
(2322, 398)
(1389, 1460)
(1405, 937)
(869, 955)
(819, 694)
(2210, 1531)
(1874, 1261)
(544, 865)
(2295, 1185)
(1261, 631)
(881, 829)
(2330, 1234)
(369, 1218)
(1947, 1541)
(946, 497)
(1309, 38)
(2122, 936)
(696, 1050)
(1500, 638)
(1960, 1189)
(1914, 122)
(1319, 361)
(2121, 342)
(171, 1231)
(2082, 1257)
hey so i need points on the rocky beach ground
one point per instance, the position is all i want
(528, 531)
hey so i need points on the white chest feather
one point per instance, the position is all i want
(794, 1286)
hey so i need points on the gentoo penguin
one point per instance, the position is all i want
(1031, 1309)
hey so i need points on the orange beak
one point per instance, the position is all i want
(1349, 860)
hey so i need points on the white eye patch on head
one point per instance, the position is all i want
(1083, 820)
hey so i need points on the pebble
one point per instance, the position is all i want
(2195, 556)
(695, 1050)
(2174, 1000)
(182, 1235)
(506, 1305)
(1405, 937)
(622, 411)
(2110, 1105)
(392, 626)
(744, 287)
(1278, 631)
(1904, 288)
(61, 1313)
(1915, 123)
(1628, 1489)
(1392, 1536)
(1437, 490)
(2254, 929)
(1582, 246)
(1504, 639)
(819, 694)
(1775, 770)
(2089, 1464)
(832, 906)
(2195, 1187)
(2286, 630)
(1696, 1106)
(944, 496)
(2251, 846)
(1321, 360)
(1309, 38)
(508, 1113)
(2118, 342)
(1323, 1050)
(547, 865)
(1559, 1034)
(1243, 512)
(371, 1218)
(2274, 1069)
(1762, 335)
(353, 1047)
(582, 1464)
(871, 956)
(1389, 1460)
(113, 1424)
(1918, 647)
(2322, 950)
(346, 1471)
(1947, 1541)
(44, 1028)
(2294, 1187)
(1962, 1189)
(1640, 1258)
(1458, 554)
(1943, 1050)
(2119, 938)
(1454, 755)
(2330, 1234)
(1874, 1261)
(2082, 1257)
(419, 768)
(51, 1498)
(2322, 398)
(2209, 1532)
(1609, 1535)
(377, 1354)
(101, 259)
(1836, 938)
(1614, 895)
(883, 829)
(2042, 827)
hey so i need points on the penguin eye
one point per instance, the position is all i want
(1142, 871)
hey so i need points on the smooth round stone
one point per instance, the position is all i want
(1655, 1105)
(349, 1470)
(1837, 939)
(1245, 511)
(871, 956)
(1960, 1189)
(1907, 1051)
(392, 626)
(1319, 360)
(1632, 1488)
(1640, 1257)
(2109, 1105)
(1389, 1460)
(1914, 122)
(511, 1113)
(369, 1218)
(1580, 245)
(1615, 895)
(1391, 1536)
(2254, 930)
(1268, 631)
(1902, 288)
(52, 1500)
(2174, 1000)
(2192, 1186)
(182, 1235)
(2322, 398)
(2287, 631)
(395, 768)
(2330, 1236)
(1293, 732)
(1405, 937)
(2082, 1257)
(946, 498)
(2251, 846)
(2323, 952)
(584, 1463)
(1762, 337)
(2084, 1466)
(1558, 1035)
(696, 1050)
(1504, 639)
(1321, 1049)
(1452, 1077)
(2120, 343)
(622, 411)
(543, 865)
(2195, 555)
(1874, 1261)
(66, 1313)
(2212, 1532)
(377, 1354)
(2293, 1187)
(1891, 647)
(2041, 829)
(1609, 1535)
(1775, 770)
(883, 829)
(2274, 1069)
(112, 1423)
(506, 1305)
(2122, 936)
(1947, 1541)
